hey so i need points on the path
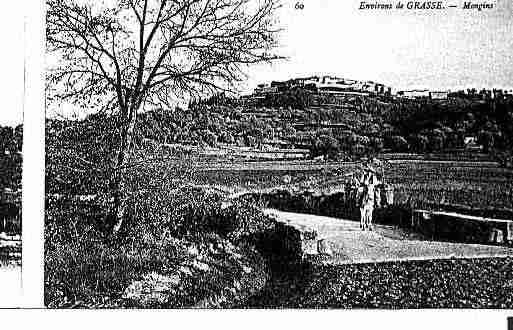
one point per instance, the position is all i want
(350, 245)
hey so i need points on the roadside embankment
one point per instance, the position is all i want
(179, 251)
(216, 274)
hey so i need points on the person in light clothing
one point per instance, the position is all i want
(367, 199)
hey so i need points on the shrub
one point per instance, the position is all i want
(95, 272)
(188, 212)
(241, 221)
(85, 267)
(325, 145)
(398, 143)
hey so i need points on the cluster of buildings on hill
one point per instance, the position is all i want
(326, 85)
(484, 94)
(341, 86)
(423, 94)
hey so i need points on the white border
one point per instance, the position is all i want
(33, 279)
(33, 157)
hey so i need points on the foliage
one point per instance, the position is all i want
(129, 56)
(419, 126)
(291, 99)
(371, 129)
(325, 145)
(84, 265)
(10, 157)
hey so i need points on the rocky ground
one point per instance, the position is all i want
(463, 283)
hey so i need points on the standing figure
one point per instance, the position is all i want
(367, 199)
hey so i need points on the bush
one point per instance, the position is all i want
(94, 272)
(242, 221)
(398, 143)
(86, 267)
(188, 212)
(325, 145)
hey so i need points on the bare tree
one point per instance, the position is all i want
(130, 54)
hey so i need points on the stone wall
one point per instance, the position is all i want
(285, 244)
(462, 228)
(463, 225)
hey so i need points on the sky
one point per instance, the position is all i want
(437, 50)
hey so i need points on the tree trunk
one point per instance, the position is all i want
(123, 156)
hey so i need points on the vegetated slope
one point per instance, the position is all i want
(466, 283)
(355, 126)
(358, 125)
(178, 248)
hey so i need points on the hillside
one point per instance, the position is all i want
(353, 125)
(338, 128)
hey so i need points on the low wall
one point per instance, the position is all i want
(462, 228)
(467, 210)
(462, 225)
(285, 244)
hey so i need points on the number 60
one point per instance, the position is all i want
(299, 6)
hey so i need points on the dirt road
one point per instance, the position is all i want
(350, 245)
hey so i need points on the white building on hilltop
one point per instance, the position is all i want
(439, 95)
(424, 94)
(414, 94)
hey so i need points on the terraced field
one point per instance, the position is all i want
(481, 185)
(452, 182)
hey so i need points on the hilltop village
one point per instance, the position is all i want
(331, 85)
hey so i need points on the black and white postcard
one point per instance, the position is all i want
(246, 155)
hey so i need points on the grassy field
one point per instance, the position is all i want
(470, 185)
(479, 185)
